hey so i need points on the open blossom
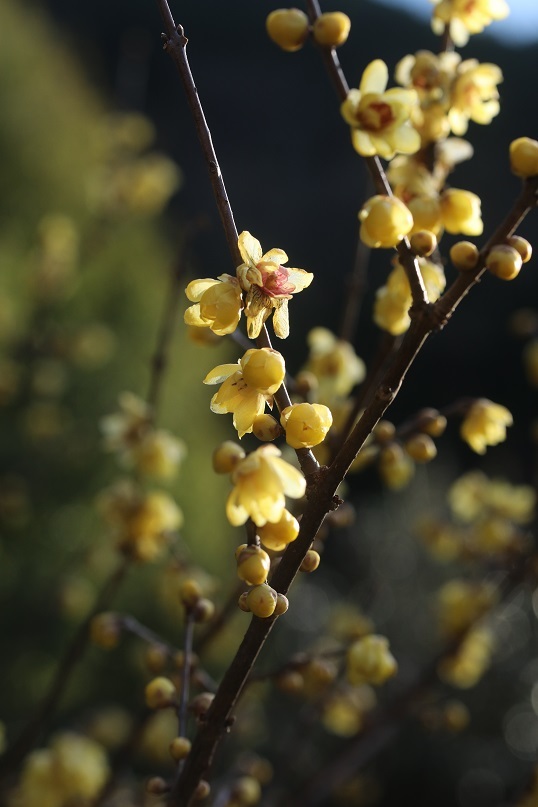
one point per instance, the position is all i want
(268, 285)
(485, 425)
(217, 306)
(247, 386)
(379, 119)
(261, 482)
(474, 95)
(466, 17)
(394, 299)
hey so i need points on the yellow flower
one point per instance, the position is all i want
(268, 284)
(394, 300)
(379, 119)
(277, 535)
(474, 95)
(262, 481)
(466, 17)
(217, 304)
(461, 212)
(385, 220)
(142, 521)
(334, 363)
(467, 666)
(306, 424)
(247, 386)
(485, 425)
(369, 661)
(461, 603)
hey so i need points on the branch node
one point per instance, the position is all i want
(336, 501)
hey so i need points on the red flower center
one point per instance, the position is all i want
(275, 281)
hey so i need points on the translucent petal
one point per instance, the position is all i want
(196, 288)
(281, 324)
(235, 512)
(292, 481)
(255, 322)
(300, 279)
(250, 248)
(250, 407)
(219, 374)
(278, 256)
(375, 77)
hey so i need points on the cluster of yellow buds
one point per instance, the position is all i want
(72, 769)
(143, 522)
(131, 435)
(289, 28)
(262, 287)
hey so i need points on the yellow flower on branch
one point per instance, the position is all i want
(306, 424)
(380, 120)
(485, 425)
(474, 95)
(466, 17)
(262, 481)
(217, 306)
(268, 285)
(247, 386)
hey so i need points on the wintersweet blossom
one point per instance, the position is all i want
(306, 424)
(485, 425)
(268, 285)
(261, 482)
(466, 17)
(217, 306)
(474, 95)
(334, 363)
(380, 118)
(394, 299)
(247, 386)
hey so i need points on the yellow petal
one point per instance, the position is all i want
(235, 512)
(219, 374)
(375, 78)
(281, 324)
(362, 142)
(278, 256)
(406, 140)
(300, 279)
(250, 407)
(255, 322)
(250, 248)
(192, 317)
(196, 288)
(292, 481)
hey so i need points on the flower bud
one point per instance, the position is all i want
(262, 601)
(288, 28)
(524, 157)
(311, 561)
(266, 428)
(464, 255)
(504, 262)
(460, 211)
(189, 593)
(180, 748)
(332, 29)
(306, 424)
(370, 661)
(522, 246)
(227, 456)
(105, 630)
(282, 605)
(277, 535)
(421, 448)
(253, 565)
(423, 243)
(160, 693)
(263, 369)
(385, 221)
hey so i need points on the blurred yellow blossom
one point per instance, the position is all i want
(465, 18)
(344, 709)
(460, 603)
(379, 118)
(394, 299)
(73, 769)
(369, 661)
(247, 386)
(261, 482)
(334, 363)
(268, 285)
(474, 95)
(385, 220)
(468, 664)
(485, 425)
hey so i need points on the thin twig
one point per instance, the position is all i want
(356, 286)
